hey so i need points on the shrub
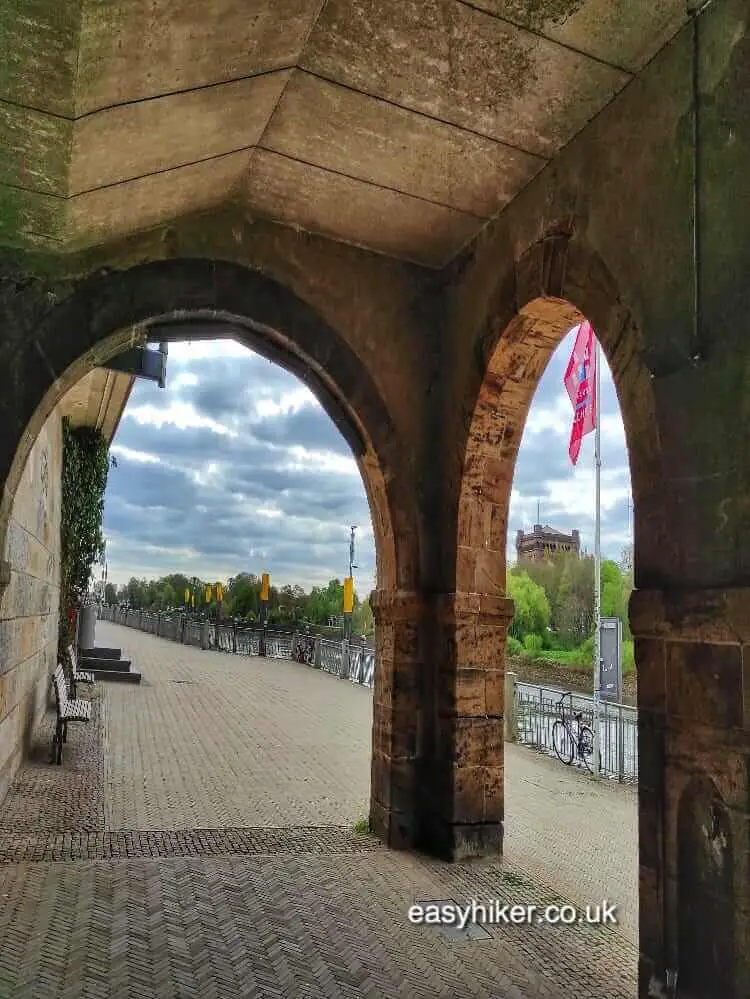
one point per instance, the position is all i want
(513, 646)
(533, 643)
(628, 656)
(584, 654)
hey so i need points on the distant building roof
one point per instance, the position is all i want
(544, 539)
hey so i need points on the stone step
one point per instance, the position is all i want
(97, 653)
(91, 664)
(120, 675)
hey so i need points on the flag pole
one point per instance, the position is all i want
(597, 569)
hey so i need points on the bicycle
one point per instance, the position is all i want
(304, 650)
(568, 743)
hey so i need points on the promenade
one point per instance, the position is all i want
(198, 841)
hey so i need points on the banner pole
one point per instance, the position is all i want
(597, 567)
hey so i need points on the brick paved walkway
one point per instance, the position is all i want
(197, 841)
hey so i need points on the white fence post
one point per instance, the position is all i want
(510, 714)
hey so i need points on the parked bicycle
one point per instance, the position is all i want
(571, 739)
(304, 650)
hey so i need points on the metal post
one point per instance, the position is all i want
(510, 715)
(351, 550)
(597, 567)
(265, 596)
(539, 718)
(264, 624)
(345, 663)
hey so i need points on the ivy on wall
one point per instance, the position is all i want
(85, 467)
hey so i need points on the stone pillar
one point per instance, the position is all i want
(692, 650)
(397, 716)
(464, 777)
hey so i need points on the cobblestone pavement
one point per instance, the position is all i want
(126, 873)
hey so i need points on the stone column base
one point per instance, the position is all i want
(397, 713)
(692, 651)
(464, 775)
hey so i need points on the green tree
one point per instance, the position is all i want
(573, 611)
(612, 590)
(363, 620)
(324, 602)
(166, 596)
(179, 583)
(110, 594)
(242, 597)
(626, 568)
(532, 610)
(136, 593)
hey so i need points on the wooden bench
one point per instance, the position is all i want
(67, 710)
(76, 676)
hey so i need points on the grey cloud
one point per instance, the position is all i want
(150, 485)
(542, 458)
(157, 504)
(310, 427)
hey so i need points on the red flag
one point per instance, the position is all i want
(580, 381)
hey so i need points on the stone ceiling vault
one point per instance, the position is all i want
(397, 125)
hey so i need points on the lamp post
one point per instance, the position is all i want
(349, 588)
(351, 550)
(265, 592)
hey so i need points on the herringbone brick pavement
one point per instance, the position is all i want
(209, 740)
(289, 924)
(94, 904)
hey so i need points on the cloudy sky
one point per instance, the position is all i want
(236, 467)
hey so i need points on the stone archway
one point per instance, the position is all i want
(515, 353)
(554, 285)
(70, 328)
(109, 312)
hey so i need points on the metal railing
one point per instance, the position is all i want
(536, 711)
(536, 707)
(353, 661)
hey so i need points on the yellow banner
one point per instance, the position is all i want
(348, 595)
(219, 591)
(187, 596)
(208, 594)
(193, 600)
(265, 587)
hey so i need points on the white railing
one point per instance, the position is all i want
(537, 710)
(354, 661)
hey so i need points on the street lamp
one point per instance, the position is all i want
(349, 588)
(352, 564)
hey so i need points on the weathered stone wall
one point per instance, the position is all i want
(29, 602)
(353, 321)
(606, 231)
